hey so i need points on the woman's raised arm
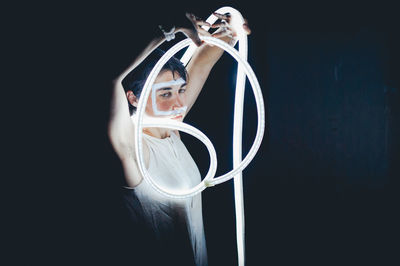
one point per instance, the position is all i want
(120, 126)
(206, 56)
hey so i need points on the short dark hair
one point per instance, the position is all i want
(135, 80)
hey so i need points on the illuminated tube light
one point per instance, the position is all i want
(238, 164)
(140, 122)
(176, 125)
(237, 21)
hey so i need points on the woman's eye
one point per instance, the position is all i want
(182, 90)
(167, 94)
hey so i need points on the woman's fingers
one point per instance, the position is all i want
(223, 34)
(203, 23)
(203, 32)
(225, 22)
(192, 19)
(226, 16)
(194, 32)
(222, 24)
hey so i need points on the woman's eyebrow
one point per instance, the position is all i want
(164, 89)
(169, 88)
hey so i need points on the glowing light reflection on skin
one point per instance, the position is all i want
(141, 121)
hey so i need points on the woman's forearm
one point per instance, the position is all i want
(200, 67)
(208, 55)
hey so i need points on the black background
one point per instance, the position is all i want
(322, 188)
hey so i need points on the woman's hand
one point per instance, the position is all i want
(196, 30)
(205, 57)
(224, 28)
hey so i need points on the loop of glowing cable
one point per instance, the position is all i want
(167, 123)
(208, 180)
(236, 21)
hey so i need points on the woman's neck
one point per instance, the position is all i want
(160, 133)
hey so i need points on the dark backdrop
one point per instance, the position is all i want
(322, 187)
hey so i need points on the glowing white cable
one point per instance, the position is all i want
(171, 124)
(237, 21)
(140, 122)
(238, 164)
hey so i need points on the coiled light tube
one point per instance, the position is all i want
(236, 21)
(238, 163)
(171, 124)
(140, 123)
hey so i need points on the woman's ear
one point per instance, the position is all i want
(132, 98)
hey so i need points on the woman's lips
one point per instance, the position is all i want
(177, 117)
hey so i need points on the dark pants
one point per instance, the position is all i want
(173, 248)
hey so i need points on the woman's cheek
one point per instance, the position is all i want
(164, 106)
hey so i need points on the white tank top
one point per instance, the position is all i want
(171, 166)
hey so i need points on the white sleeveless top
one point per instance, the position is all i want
(171, 166)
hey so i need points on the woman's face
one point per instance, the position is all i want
(169, 94)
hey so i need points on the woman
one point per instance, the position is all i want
(171, 228)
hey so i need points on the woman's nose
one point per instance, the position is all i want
(179, 102)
